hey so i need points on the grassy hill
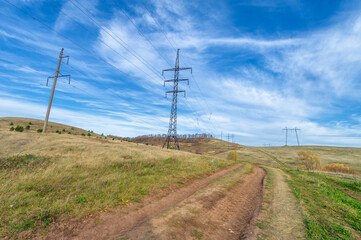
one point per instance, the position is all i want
(35, 124)
(48, 177)
(54, 177)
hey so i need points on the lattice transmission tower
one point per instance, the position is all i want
(172, 131)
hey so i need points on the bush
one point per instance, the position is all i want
(309, 160)
(147, 143)
(11, 124)
(337, 167)
(12, 129)
(27, 127)
(72, 128)
(69, 132)
(83, 134)
(39, 130)
(63, 130)
(19, 128)
(233, 155)
(89, 134)
(30, 123)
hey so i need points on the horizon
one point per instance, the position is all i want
(258, 67)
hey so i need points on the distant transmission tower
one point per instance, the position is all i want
(57, 75)
(292, 129)
(172, 131)
(286, 129)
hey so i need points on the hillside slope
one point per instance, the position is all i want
(47, 178)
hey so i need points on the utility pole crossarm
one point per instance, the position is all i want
(173, 80)
(179, 91)
(59, 76)
(177, 69)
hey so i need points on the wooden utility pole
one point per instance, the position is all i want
(53, 90)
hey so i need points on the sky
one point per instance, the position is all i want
(258, 66)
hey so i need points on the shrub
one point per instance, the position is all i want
(309, 160)
(11, 124)
(63, 130)
(146, 143)
(83, 134)
(113, 139)
(12, 129)
(69, 132)
(30, 123)
(233, 155)
(39, 130)
(337, 167)
(27, 127)
(19, 128)
(89, 134)
(72, 128)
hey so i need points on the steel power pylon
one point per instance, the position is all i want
(172, 131)
(292, 129)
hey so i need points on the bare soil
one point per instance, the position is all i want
(199, 210)
(283, 218)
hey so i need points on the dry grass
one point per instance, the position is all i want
(54, 176)
(286, 157)
(35, 124)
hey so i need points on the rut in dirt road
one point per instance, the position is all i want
(216, 212)
(112, 224)
(284, 213)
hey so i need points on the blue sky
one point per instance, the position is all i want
(258, 66)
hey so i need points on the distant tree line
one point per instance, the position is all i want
(159, 138)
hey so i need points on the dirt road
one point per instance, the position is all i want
(282, 219)
(220, 206)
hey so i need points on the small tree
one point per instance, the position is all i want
(309, 160)
(19, 128)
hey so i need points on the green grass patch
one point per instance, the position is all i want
(332, 206)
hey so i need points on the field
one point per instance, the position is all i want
(82, 185)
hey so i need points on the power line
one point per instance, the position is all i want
(120, 41)
(62, 35)
(160, 27)
(140, 32)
